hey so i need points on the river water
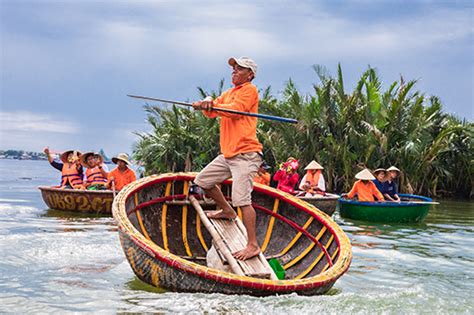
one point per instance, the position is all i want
(57, 262)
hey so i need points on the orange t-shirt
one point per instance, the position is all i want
(238, 134)
(122, 178)
(365, 192)
(262, 179)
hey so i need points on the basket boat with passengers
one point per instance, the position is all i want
(166, 238)
(411, 209)
(327, 203)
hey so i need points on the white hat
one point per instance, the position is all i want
(393, 168)
(380, 170)
(313, 165)
(365, 174)
(245, 62)
(122, 157)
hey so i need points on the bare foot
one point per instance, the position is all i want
(221, 214)
(247, 253)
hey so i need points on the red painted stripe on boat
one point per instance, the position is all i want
(237, 282)
(156, 200)
(297, 227)
(298, 206)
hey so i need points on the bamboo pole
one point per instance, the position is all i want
(218, 109)
(220, 244)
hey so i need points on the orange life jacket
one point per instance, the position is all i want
(313, 179)
(70, 175)
(94, 176)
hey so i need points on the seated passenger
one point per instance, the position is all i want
(96, 174)
(286, 176)
(71, 169)
(380, 174)
(313, 181)
(390, 187)
(262, 176)
(364, 188)
(122, 175)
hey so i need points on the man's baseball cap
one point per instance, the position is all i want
(245, 62)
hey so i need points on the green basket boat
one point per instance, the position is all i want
(412, 209)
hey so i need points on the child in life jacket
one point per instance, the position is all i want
(96, 173)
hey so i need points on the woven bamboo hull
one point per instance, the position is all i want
(166, 244)
(403, 212)
(78, 200)
(326, 204)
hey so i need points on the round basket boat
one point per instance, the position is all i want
(166, 243)
(412, 209)
(96, 201)
(327, 203)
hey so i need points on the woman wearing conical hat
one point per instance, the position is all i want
(390, 187)
(70, 168)
(364, 188)
(313, 182)
(380, 178)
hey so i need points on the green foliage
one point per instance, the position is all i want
(343, 131)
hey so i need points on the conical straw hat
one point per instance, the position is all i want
(64, 155)
(365, 174)
(313, 165)
(393, 168)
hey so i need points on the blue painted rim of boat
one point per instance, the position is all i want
(388, 203)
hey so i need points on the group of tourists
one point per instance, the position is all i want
(381, 187)
(89, 172)
(378, 186)
(311, 185)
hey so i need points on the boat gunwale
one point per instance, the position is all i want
(74, 191)
(327, 277)
(329, 198)
(388, 204)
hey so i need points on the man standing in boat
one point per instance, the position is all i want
(241, 152)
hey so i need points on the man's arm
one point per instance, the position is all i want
(246, 100)
(376, 192)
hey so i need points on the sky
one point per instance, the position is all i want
(66, 66)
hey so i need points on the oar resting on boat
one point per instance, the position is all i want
(229, 236)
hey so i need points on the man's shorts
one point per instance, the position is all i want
(241, 168)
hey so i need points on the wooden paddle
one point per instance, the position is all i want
(423, 202)
(217, 239)
(113, 188)
(226, 110)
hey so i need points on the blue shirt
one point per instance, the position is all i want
(390, 188)
(379, 185)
